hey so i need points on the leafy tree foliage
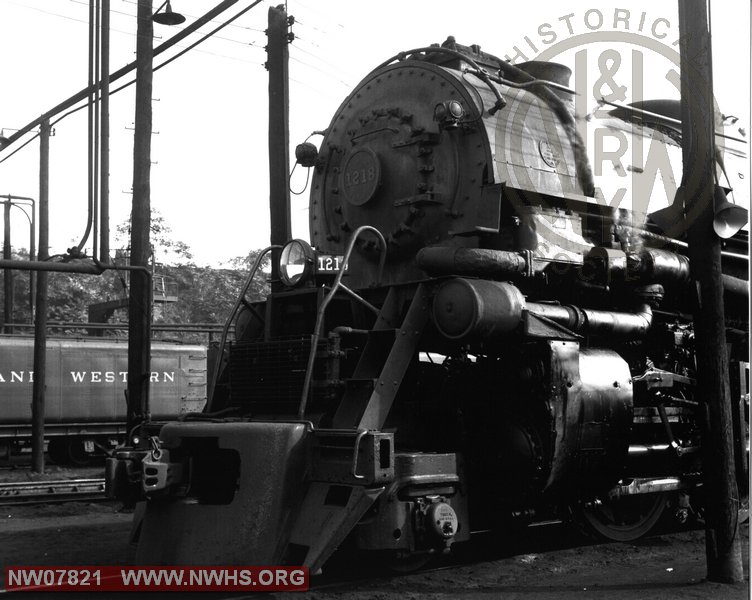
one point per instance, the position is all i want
(204, 294)
(166, 248)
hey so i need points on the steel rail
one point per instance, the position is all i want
(58, 490)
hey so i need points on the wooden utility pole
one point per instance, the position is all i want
(139, 301)
(279, 131)
(104, 133)
(40, 316)
(722, 545)
(7, 273)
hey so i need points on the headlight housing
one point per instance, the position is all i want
(296, 263)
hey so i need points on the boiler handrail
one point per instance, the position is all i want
(325, 302)
(228, 323)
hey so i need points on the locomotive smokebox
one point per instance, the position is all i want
(425, 150)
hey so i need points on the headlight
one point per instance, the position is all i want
(296, 262)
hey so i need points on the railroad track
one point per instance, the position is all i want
(59, 490)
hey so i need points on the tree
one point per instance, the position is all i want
(168, 249)
(207, 295)
(69, 293)
(204, 294)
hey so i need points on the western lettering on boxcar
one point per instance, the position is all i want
(85, 384)
(112, 376)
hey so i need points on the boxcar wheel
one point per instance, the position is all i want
(65, 451)
(57, 451)
(77, 455)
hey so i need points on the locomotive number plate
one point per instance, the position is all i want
(329, 263)
(361, 176)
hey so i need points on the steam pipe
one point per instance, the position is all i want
(668, 241)
(465, 308)
(444, 260)
(668, 267)
(584, 320)
(734, 285)
(42, 265)
(652, 265)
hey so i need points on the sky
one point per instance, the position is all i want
(209, 176)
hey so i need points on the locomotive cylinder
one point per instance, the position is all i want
(477, 307)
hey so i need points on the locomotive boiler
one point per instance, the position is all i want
(472, 340)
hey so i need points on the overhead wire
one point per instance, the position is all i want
(81, 94)
(133, 34)
(68, 17)
(90, 100)
(323, 31)
(222, 25)
(318, 58)
(307, 41)
(212, 21)
(320, 70)
(319, 91)
(112, 10)
(208, 35)
(128, 84)
(328, 16)
(216, 37)
(26, 143)
(47, 12)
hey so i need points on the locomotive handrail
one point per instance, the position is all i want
(359, 298)
(524, 85)
(233, 312)
(325, 302)
(660, 117)
(361, 433)
(669, 241)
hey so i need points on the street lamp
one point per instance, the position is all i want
(167, 17)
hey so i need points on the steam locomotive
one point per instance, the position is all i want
(472, 340)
